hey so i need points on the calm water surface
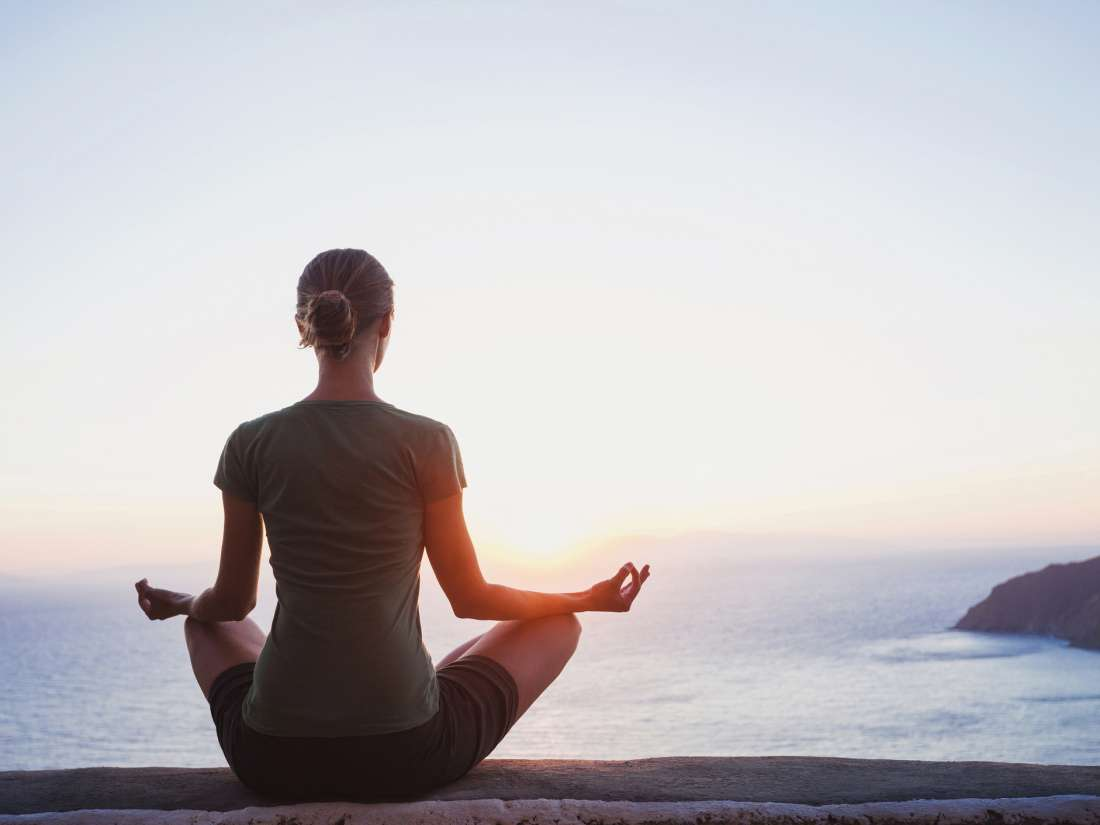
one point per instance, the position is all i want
(719, 657)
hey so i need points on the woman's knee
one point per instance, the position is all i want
(570, 628)
(559, 634)
(563, 630)
(191, 628)
(241, 640)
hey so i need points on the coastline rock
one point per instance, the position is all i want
(1061, 600)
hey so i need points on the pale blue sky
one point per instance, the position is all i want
(822, 268)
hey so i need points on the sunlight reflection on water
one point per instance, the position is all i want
(717, 659)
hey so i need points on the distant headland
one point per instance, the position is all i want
(1061, 600)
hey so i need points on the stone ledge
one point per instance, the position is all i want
(1051, 810)
(807, 781)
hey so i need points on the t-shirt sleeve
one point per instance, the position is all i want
(440, 473)
(233, 474)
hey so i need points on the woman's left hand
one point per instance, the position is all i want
(612, 595)
(161, 604)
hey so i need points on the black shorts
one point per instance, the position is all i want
(478, 702)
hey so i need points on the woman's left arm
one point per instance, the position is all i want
(234, 592)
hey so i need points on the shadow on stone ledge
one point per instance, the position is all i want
(805, 780)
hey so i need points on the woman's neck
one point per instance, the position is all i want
(323, 393)
(348, 380)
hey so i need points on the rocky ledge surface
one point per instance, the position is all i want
(1061, 600)
(1055, 810)
(697, 790)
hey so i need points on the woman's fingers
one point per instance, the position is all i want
(620, 577)
(627, 593)
(636, 581)
(145, 595)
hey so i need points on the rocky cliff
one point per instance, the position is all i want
(1060, 600)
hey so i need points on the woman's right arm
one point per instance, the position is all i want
(454, 560)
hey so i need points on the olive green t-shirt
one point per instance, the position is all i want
(342, 487)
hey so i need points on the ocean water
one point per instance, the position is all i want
(722, 655)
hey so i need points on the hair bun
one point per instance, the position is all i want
(341, 292)
(330, 320)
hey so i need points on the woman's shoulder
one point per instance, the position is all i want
(417, 420)
(418, 430)
(243, 435)
(378, 411)
(397, 418)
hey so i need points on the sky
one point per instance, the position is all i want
(664, 268)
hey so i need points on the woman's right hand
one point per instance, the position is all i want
(615, 595)
(158, 603)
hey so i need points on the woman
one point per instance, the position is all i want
(342, 699)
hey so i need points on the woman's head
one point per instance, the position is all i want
(342, 293)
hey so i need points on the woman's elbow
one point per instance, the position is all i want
(465, 610)
(469, 605)
(238, 611)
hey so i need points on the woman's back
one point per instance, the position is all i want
(341, 698)
(342, 486)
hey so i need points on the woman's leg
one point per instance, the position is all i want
(215, 646)
(458, 652)
(534, 651)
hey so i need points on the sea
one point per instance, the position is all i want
(733, 650)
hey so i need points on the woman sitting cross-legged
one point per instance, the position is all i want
(341, 699)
